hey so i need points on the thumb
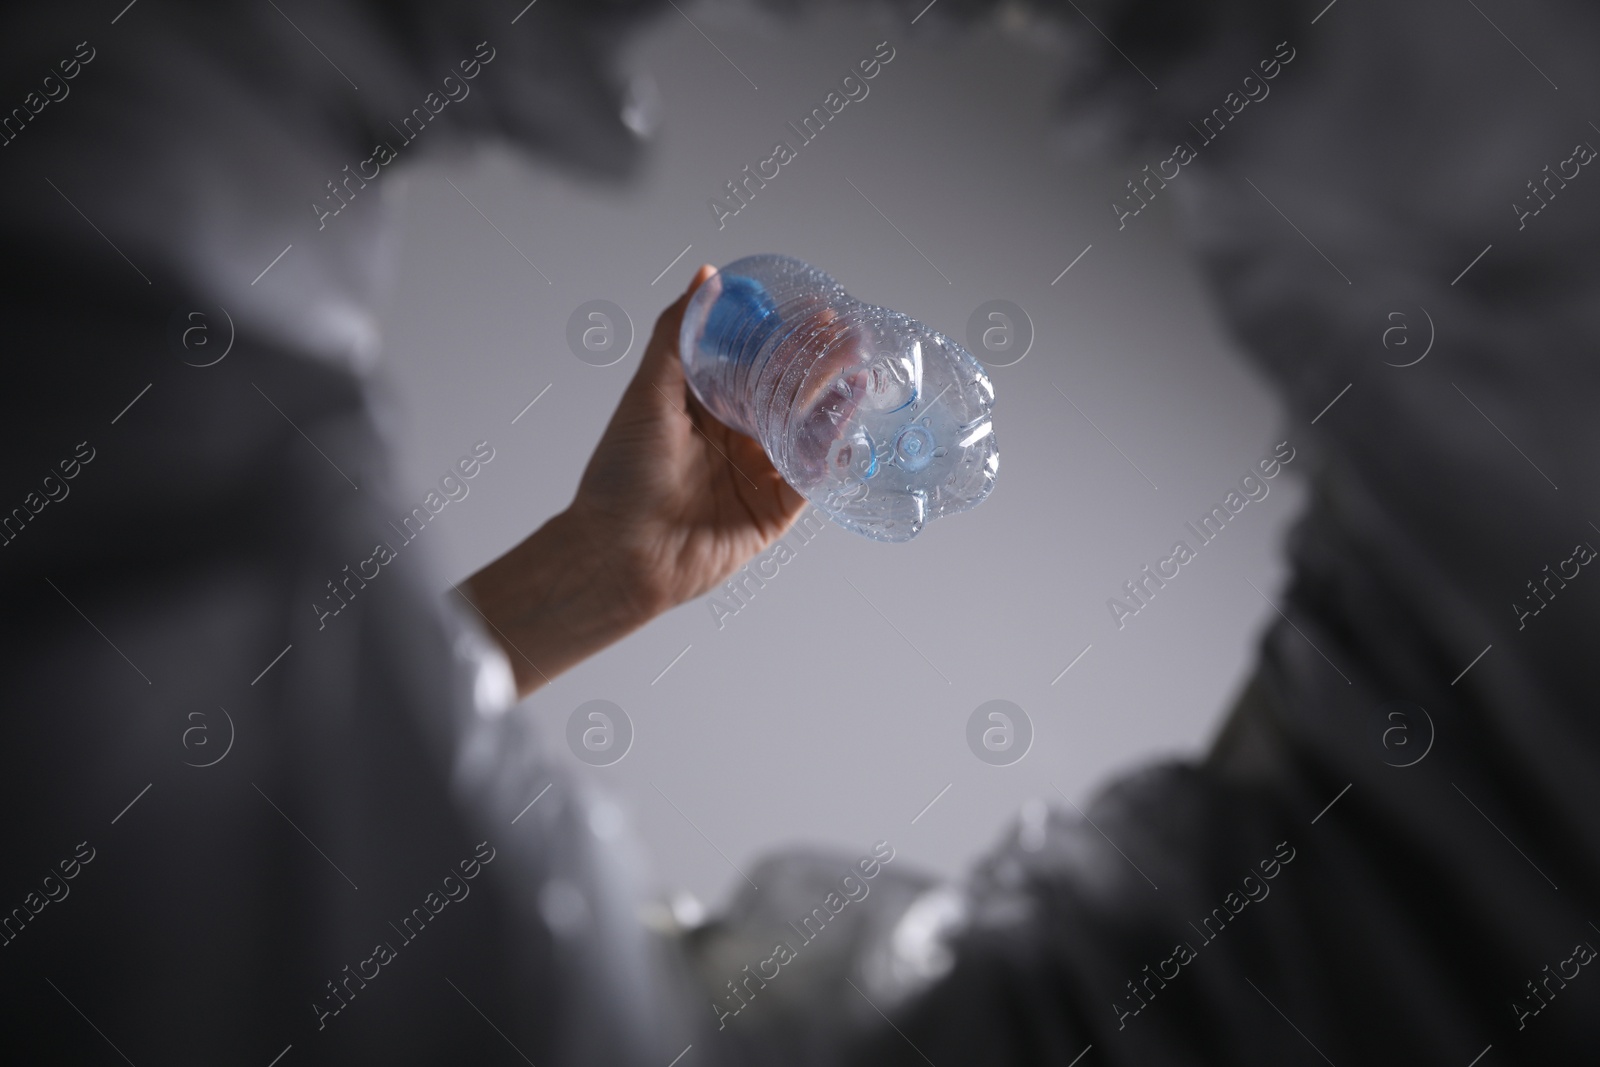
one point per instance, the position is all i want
(660, 374)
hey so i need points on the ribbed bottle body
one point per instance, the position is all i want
(881, 422)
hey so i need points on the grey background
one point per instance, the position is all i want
(807, 717)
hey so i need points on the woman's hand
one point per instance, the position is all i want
(680, 499)
(670, 505)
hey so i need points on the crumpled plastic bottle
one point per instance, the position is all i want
(878, 420)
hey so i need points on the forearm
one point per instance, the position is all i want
(557, 598)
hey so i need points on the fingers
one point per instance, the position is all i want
(672, 318)
(663, 343)
(660, 373)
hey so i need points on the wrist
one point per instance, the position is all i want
(604, 557)
(625, 556)
(559, 596)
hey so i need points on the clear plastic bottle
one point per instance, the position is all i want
(881, 422)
